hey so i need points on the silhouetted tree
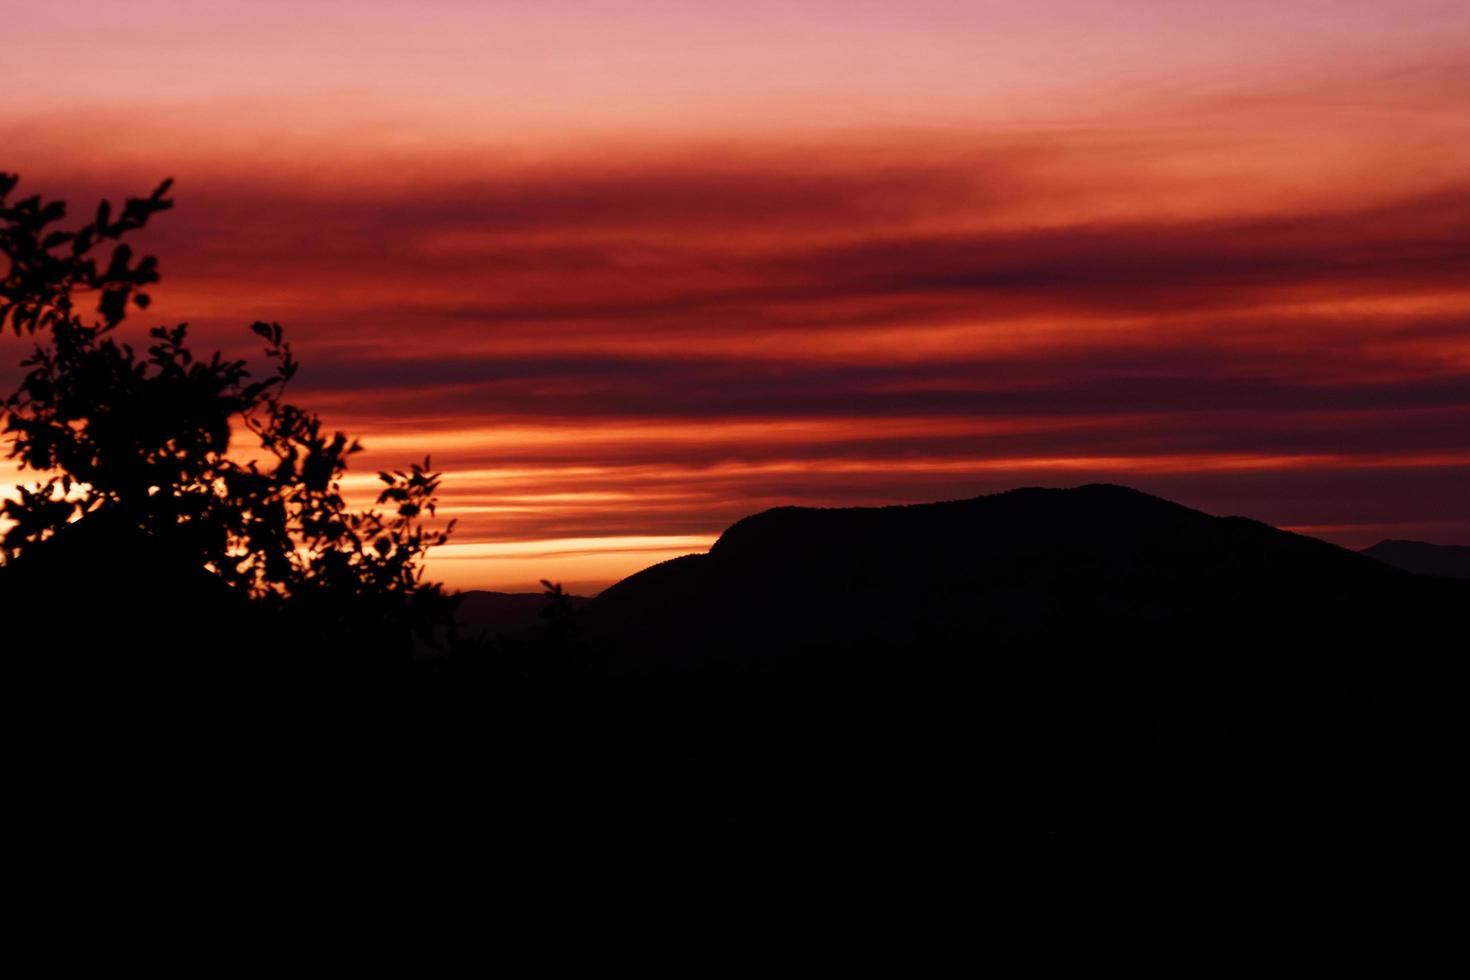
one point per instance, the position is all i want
(139, 441)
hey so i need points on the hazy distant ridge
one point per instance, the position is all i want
(1422, 558)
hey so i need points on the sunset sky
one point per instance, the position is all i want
(632, 270)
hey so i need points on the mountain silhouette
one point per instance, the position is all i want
(1007, 567)
(1421, 558)
(1089, 660)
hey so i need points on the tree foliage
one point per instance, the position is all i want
(142, 439)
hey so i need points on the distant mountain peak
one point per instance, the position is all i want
(1423, 558)
(496, 613)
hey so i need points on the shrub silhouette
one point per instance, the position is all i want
(135, 446)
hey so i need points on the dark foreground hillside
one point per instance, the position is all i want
(1079, 664)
